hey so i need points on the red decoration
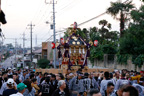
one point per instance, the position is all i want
(95, 42)
(75, 25)
(53, 45)
(62, 41)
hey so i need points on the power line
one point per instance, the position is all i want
(91, 19)
(42, 17)
(38, 11)
(69, 5)
(96, 17)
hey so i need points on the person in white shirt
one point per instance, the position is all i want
(21, 89)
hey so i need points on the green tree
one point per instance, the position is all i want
(103, 31)
(95, 52)
(106, 44)
(123, 9)
(43, 63)
(132, 42)
(81, 33)
(86, 32)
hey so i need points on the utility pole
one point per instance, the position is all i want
(31, 27)
(54, 37)
(54, 56)
(23, 49)
(15, 49)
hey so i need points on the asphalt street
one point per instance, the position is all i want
(8, 62)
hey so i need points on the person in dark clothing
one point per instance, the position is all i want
(3, 78)
(43, 78)
(11, 88)
(32, 76)
(17, 79)
(53, 81)
(61, 77)
(60, 91)
(46, 88)
(109, 90)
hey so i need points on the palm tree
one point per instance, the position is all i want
(103, 31)
(120, 8)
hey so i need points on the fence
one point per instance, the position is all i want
(112, 63)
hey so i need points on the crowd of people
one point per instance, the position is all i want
(24, 82)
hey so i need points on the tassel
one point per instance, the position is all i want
(59, 54)
(88, 53)
(66, 45)
(66, 53)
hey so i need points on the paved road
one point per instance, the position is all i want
(8, 62)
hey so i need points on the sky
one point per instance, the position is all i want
(20, 13)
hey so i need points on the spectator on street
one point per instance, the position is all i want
(94, 92)
(11, 88)
(35, 86)
(30, 91)
(46, 88)
(130, 91)
(60, 91)
(109, 90)
(21, 89)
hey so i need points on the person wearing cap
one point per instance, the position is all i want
(60, 91)
(21, 89)
(74, 84)
(11, 88)
(4, 87)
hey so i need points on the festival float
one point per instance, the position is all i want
(74, 51)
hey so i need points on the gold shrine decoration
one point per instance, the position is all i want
(90, 42)
(78, 43)
(73, 43)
